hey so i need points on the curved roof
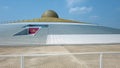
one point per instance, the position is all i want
(50, 20)
(86, 29)
(49, 16)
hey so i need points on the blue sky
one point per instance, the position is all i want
(100, 12)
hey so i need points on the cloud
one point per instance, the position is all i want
(71, 3)
(118, 9)
(80, 10)
(75, 8)
(94, 17)
(5, 7)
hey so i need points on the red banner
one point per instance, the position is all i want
(33, 30)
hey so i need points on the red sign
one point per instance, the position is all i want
(33, 30)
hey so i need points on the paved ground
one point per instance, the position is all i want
(63, 61)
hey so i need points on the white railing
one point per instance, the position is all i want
(57, 54)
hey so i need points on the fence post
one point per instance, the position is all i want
(101, 60)
(22, 61)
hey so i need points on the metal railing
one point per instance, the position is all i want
(22, 57)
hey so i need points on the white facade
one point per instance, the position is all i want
(16, 34)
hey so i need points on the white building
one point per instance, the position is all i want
(52, 30)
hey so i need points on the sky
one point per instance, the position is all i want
(99, 12)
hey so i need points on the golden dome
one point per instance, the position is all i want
(50, 13)
(49, 16)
